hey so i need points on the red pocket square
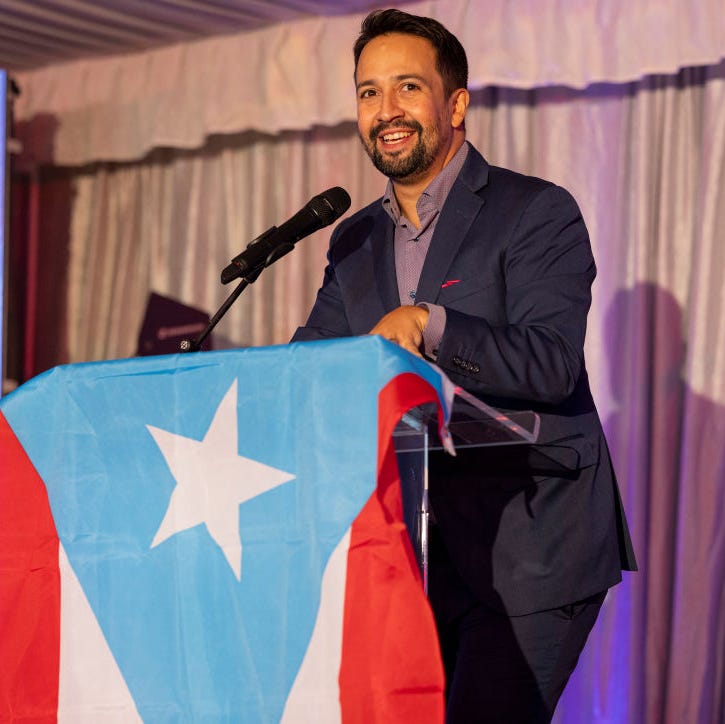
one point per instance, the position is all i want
(449, 283)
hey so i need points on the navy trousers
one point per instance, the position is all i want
(502, 669)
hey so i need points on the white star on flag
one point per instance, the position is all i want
(212, 480)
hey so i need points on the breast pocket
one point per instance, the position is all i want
(483, 297)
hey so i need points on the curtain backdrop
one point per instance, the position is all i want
(646, 161)
(290, 75)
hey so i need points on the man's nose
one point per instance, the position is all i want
(389, 107)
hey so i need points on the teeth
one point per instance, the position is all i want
(388, 137)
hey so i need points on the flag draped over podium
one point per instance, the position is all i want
(215, 537)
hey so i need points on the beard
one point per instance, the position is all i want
(396, 165)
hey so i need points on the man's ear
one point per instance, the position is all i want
(460, 100)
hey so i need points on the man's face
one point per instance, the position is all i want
(404, 117)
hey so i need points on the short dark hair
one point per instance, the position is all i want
(451, 61)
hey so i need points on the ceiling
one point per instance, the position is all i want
(34, 33)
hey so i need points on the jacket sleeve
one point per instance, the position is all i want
(327, 318)
(546, 270)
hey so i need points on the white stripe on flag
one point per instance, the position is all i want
(315, 693)
(91, 688)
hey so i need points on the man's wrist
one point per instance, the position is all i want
(433, 330)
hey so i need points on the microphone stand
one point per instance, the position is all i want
(194, 345)
(257, 264)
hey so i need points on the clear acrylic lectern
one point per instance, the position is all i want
(473, 424)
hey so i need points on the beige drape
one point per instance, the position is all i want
(292, 76)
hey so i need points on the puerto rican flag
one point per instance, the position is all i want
(215, 537)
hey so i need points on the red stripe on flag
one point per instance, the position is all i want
(29, 590)
(391, 670)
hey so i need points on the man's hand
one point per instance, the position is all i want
(404, 326)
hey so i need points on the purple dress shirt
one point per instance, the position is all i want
(412, 244)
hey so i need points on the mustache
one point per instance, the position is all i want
(375, 131)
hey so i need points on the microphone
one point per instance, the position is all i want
(317, 213)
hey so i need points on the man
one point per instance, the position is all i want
(488, 273)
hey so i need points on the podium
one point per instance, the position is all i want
(218, 537)
(472, 423)
(215, 537)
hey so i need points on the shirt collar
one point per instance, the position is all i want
(435, 193)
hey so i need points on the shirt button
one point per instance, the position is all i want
(411, 295)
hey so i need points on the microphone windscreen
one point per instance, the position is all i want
(330, 205)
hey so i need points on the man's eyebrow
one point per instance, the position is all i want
(397, 78)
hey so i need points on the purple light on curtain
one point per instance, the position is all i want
(656, 652)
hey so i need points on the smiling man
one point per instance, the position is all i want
(411, 123)
(410, 119)
(488, 273)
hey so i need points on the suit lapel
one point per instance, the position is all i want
(458, 214)
(382, 242)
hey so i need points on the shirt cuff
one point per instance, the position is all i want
(433, 331)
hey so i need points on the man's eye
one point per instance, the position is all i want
(410, 86)
(367, 93)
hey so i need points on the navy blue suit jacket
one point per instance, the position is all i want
(527, 528)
